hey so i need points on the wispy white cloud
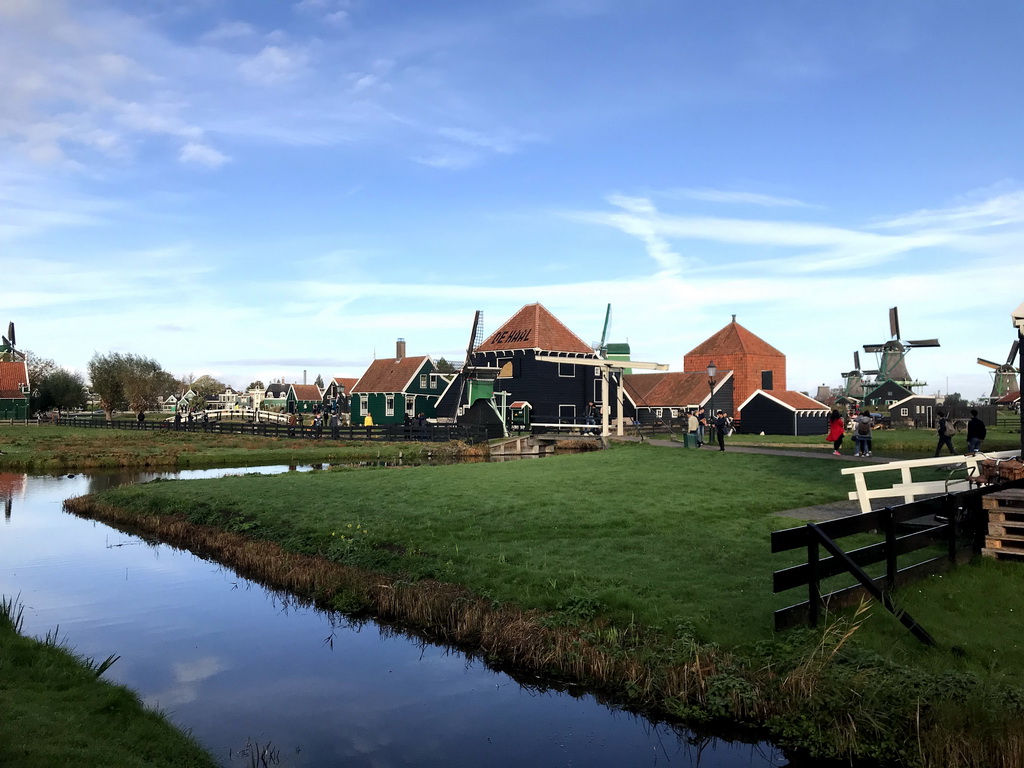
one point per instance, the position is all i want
(273, 65)
(998, 211)
(742, 198)
(201, 154)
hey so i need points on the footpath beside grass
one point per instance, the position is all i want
(56, 711)
(641, 571)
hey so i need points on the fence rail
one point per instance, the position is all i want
(958, 526)
(433, 433)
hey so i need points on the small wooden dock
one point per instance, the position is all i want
(1005, 536)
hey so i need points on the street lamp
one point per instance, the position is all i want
(1018, 323)
(711, 384)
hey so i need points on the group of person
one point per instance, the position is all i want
(864, 423)
(697, 424)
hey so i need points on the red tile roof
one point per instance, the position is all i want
(734, 339)
(12, 377)
(797, 401)
(389, 375)
(307, 392)
(675, 389)
(11, 483)
(348, 384)
(534, 327)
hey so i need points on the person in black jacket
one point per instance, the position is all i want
(721, 427)
(976, 432)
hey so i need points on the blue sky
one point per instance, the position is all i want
(253, 189)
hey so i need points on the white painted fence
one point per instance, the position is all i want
(908, 488)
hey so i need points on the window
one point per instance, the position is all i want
(505, 367)
(410, 405)
(389, 405)
(433, 381)
(766, 380)
(364, 407)
(423, 381)
(566, 413)
(566, 370)
(904, 411)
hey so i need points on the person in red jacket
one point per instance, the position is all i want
(836, 431)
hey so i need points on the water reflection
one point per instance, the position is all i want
(241, 665)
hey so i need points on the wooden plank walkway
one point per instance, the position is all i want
(1004, 538)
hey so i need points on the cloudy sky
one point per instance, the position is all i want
(254, 188)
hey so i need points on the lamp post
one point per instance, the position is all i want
(711, 385)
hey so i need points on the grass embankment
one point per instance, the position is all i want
(57, 712)
(57, 449)
(640, 570)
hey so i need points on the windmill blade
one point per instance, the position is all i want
(604, 332)
(1013, 352)
(870, 373)
(856, 360)
(6, 342)
(894, 322)
(923, 343)
(988, 363)
(473, 342)
(874, 347)
(10, 333)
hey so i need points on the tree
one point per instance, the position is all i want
(256, 385)
(443, 366)
(208, 387)
(126, 380)
(61, 389)
(319, 382)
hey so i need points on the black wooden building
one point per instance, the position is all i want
(783, 413)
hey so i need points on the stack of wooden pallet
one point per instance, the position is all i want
(1005, 509)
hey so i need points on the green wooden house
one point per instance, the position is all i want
(394, 387)
(14, 390)
(304, 398)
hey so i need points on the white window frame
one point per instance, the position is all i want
(904, 411)
(567, 414)
(364, 404)
(389, 405)
(572, 372)
(433, 381)
(423, 381)
(410, 405)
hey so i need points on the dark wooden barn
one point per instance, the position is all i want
(783, 413)
(917, 411)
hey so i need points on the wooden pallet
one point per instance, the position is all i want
(1005, 500)
(1005, 535)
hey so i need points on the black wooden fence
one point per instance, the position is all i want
(432, 433)
(952, 524)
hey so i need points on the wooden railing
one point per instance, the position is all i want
(961, 469)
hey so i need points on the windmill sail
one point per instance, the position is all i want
(892, 365)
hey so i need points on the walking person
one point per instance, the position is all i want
(976, 432)
(721, 427)
(836, 431)
(862, 434)
(946, 431)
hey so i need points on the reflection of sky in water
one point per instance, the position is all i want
(233, 662)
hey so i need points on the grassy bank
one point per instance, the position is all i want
(57, 449)
(640, 570)
(56, 711)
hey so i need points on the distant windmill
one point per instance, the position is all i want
(601, 347)
(854, 380)
(892, 354)
(1005, 375)
(7, 351)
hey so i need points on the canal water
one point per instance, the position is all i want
(244, 667)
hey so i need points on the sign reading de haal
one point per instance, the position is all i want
(510, 337)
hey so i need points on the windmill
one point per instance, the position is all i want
(7, 351)
(601, 347)
(892, 354)
(854, 379)
(1005, 375)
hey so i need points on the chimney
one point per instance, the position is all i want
(400, 349)
(303, 375)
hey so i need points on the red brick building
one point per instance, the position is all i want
(755, 364)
